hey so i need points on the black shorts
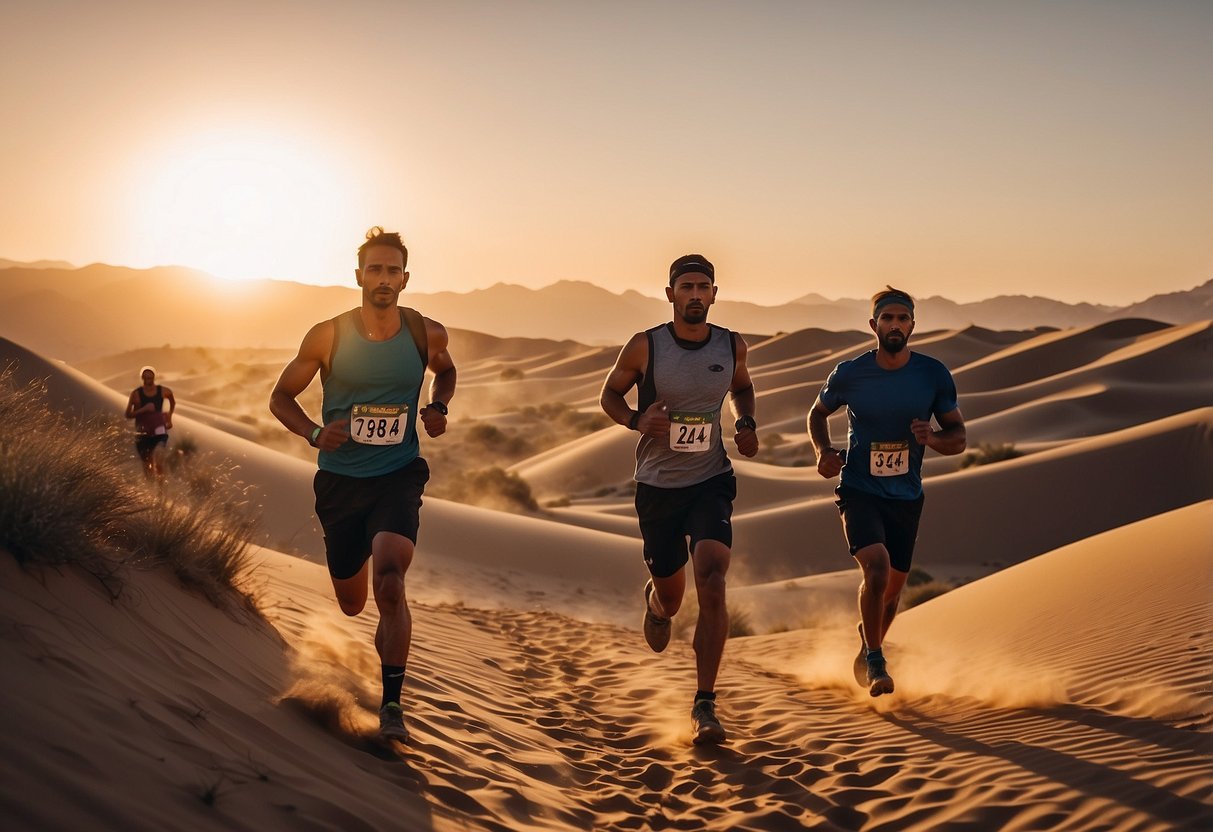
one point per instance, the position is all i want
(868, 520)
(145, 444)
(352, 510)
(668, 516)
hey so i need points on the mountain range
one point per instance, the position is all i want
(66, 312)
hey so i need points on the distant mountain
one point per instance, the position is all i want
(1176, 307)
(37, 264)
(73, 314)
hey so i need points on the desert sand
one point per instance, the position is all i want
(1065, 683)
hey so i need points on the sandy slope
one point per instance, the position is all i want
(1017, 709)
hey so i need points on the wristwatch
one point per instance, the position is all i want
(311, 440)
(746, 422)
(439, 406)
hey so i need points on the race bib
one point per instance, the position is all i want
(890, 459)
(691, 432)
(378, 424)
(161, 430)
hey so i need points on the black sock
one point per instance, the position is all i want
(709, 695)
(393, 681)
(875, 654)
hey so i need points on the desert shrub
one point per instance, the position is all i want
(71, 492)
(490, 488)
(493, 438)
(558, 502)
(917, 577)
(987, 453)
(66, 493)
(741, 624)
(912, 596)
(512, 374)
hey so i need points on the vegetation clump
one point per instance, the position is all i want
(72, 493)
(987, 453)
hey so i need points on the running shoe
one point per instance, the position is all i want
(391, 722)
(656, 628)
(879, 680)
(861, 661)
(706, 728)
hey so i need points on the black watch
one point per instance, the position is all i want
(746, 422)
(439, 406)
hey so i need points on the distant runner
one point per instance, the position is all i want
(891, 394)
(152, 423)
(372, 362)
(684, 480)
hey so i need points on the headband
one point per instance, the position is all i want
(894, 297)
(692, 263)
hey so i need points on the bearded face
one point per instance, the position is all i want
(893, 326)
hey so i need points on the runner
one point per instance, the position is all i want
(372, 361)
(891, 394)
(684, 480)
(152, 424)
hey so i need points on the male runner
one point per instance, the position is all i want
(372, 361)
(146, 407)
(891, 394)
(685, 483)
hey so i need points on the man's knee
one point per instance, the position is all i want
(389, 588)
(711, 567)
(351, 606)
(877, 572)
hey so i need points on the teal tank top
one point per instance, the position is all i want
(377, 385)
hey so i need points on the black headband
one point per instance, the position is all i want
(692, 263)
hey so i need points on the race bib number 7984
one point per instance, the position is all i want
(378, 424)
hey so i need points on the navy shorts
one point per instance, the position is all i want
(868, 520)
(352, 510)
(145, 444)
(668, 516)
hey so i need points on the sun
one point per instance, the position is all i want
(241, 203)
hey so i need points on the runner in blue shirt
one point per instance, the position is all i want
(890, 394)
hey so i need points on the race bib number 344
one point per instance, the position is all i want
(691, 432)
(890, 459)
(378, 424)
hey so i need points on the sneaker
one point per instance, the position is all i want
(861, 661)
(391, 722)
(706, 728)
(879, 680)
(656, 628)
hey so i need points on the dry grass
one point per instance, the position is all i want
(72, 493)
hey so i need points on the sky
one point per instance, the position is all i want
(963, 149)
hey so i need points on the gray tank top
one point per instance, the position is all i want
(693, 379)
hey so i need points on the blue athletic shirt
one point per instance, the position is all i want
(883, 458)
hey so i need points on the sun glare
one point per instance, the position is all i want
(242, 204)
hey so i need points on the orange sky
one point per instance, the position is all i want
(953, 148)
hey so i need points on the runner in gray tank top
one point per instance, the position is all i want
(684, 480)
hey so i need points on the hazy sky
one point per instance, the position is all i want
(967, 149)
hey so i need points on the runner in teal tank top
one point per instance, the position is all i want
(372, 361)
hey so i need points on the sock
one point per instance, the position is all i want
(393, 681)
(705, 694)
(875, 654)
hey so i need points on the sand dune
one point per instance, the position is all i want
(518, 724)
(1066, 685)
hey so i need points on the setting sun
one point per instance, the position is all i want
(215, 200)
